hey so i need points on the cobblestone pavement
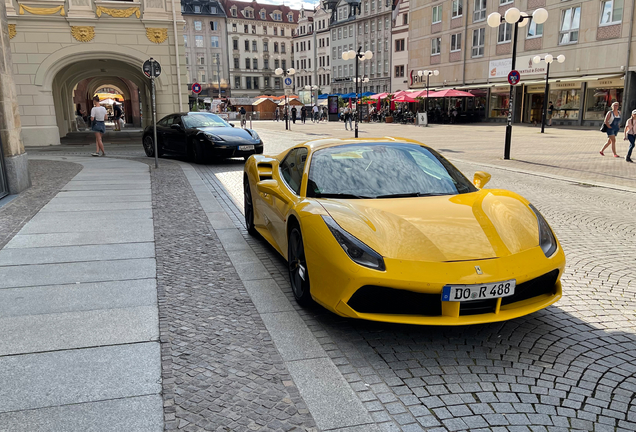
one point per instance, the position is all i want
(47, 178)
(568, 367)
(220, 369)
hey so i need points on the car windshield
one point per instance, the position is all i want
(195, 120)
(383, 170)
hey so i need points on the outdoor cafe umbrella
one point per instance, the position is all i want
(107, 102)
(403, 98)
(450, 93)
(379, 107)
(379, 96)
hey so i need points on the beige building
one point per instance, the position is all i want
(453, 37)
(259, 42)
(57, 44)
(400, 47)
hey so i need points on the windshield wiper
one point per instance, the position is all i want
(410, 194)
(341, 195)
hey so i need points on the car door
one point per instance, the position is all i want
(179, 135)
(290, 175)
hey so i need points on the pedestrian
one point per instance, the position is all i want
(612, 122)
(293, 113)
(550, 111)
(242, 112)
(630, 134)
(347, 117)
(98, 116)
(314, 111)
(303, 114)
(117, 115)
(277, 114)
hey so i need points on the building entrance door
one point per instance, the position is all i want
(4, 189)
(534, 108)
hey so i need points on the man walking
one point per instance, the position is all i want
(347, 117)
(242, 112)
(293, 113)
(303, 114)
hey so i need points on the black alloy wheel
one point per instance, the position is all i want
(298, 274)
(248, 206)
(196, 152)
(149, 146)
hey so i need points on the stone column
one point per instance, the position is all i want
(15, 158)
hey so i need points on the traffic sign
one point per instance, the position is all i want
(514, 77)
(196, 88)
(288, 81)
(288, 92)
(147, 68)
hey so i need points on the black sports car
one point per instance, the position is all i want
(201, 135)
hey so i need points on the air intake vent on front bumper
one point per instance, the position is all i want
(382, 300)
(545, 284)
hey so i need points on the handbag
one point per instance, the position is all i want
(604, 127)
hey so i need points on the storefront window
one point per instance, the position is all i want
(566, 103)
(499, 104)
(599, 100)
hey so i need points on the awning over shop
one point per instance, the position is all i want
(577, 79)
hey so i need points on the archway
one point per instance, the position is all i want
(85, 89)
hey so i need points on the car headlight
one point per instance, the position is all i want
(357, 251)
(213, 137)
(547, 241)
(253, 133)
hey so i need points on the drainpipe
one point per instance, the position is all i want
(465, 49)
(176, 54)
(629, 52)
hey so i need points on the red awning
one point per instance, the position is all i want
(450, 93)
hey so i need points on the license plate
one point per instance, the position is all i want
(461, 293)
(246, 147)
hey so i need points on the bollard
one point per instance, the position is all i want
(250, 121)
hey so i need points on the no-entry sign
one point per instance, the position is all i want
(514, 77)
(196, 88)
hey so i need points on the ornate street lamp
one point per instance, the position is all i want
(284, 73)
(519, 19)
(548, 59)
(428, 73)
(359, 55)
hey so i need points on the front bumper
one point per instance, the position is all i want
(225, 151)
(335, 279)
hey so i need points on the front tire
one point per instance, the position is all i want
(149, 146)
(248, 206)
(297, 264)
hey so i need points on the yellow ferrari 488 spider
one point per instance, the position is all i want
(387, 229)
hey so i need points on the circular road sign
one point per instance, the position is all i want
(514, 77)
(147, 68)
(288, 81)
(196, 88)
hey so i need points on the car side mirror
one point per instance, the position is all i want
(270, 187)
(481, 179)
(232, 124)
(176, 127)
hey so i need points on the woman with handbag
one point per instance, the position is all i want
(630, 134)
(611, 125)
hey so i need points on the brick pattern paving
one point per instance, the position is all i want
(569, 367)
(47, 178)
(220, 369)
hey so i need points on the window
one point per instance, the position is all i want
(262, 14)
(214, 26)
(275, 47)
(254, 46)
(234, 27)
(611, 11)
(277, 83)
(505, 33)
(266, 82)
(213, 9)
(339, 33)
(366, 27)
(255, 64)
(249, 13)
(216, 58)
(201, 60)
(282, 48)
(458, 6)
(247, 45)
(399, 71)
(372, 26)
(265, 63)
(479, 38)
(570, 20)
(237, 82)
(503, 2)
(405, 19)
(248, 63)
(386, 23)
(264, 29)
(233, 10)
(187, 60)
(480, 10)
(276, 64)
(197, 9)
(275, 31)
(437, 14)
(246, 28)
(456, 42)
(292, 168)
(399, 45)
(265, 46)
(197, 25)
(277, 16)
(283, 64)
(436, 46)
(235, 44)
(248, 83)
(255, 81)
(236, 63)
(185, 41)
(534, 30)
(198, 41)
(214, 41)
(290, 17)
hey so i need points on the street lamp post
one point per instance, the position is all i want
(312, 88)
(284, 73)
(519, 19)
(359, 55)
(548, 59)
(428, 73)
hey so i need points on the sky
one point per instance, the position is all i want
(294, 4)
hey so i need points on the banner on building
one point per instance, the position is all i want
(501, 68)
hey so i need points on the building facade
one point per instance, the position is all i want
(59, 44)
(304, 40)
(205, 42)
(323, 49)
(453, 37)
(259, 42)
(343, 38)
(400, 47)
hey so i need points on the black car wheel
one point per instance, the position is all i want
(196, 152)
(298, 273)
(248, 205)
(149, 146)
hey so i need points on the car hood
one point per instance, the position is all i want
(232, 134)
(480, 225)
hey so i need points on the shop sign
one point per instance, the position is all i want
(537, 88)
(606, 83)
(501, 68)
(565, 85)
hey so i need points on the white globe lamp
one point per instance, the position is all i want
(561, 58)
(494, 19)
(436, 72)
(536, 59)
(278, 71)
(549, 58)
(368, 55)
(512, 15)
(540, 16)
(525, 20)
